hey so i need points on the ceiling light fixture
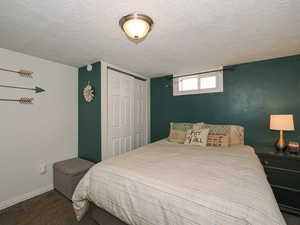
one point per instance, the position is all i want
(136, 26)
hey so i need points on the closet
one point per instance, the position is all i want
(126, 113)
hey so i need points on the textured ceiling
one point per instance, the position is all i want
(188, 35)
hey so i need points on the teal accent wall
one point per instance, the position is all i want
(252, 92)
(89, 115)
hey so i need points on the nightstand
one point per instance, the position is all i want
(283, 174)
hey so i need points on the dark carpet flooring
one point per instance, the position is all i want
(52, 208)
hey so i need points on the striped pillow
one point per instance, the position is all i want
(218, 140)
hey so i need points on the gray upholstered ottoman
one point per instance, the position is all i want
(67, 174)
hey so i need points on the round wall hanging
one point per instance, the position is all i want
(88, 93)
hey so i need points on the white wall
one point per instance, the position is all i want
(45, 131)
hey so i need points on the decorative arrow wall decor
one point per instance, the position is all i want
(20, 100)
(36, 89)
(22, 73)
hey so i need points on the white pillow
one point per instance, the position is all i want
(196, 137)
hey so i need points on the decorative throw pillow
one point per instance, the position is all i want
(217, 129)
(197, 126)
(196, 137)
(178, 132)
(236, 133)
(218, 140)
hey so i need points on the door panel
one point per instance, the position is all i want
(120, 113)
(140, 112)
(115, 110)
(115, 146)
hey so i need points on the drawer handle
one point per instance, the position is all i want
(266, 162)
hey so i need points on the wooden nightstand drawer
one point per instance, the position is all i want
(283, 174)
(287, 199)
(280, 163)
(283, 177)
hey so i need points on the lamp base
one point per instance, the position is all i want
(280, 144)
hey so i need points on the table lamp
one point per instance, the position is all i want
(284, 122)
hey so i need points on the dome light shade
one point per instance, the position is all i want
(136, 26)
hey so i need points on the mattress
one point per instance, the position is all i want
(168, 183)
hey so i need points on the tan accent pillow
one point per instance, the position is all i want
(178, 132)
(218, 140)
(236, 135)
(196, 137)
(177, 136)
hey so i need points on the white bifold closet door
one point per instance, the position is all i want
(140, 113)
(126, 113)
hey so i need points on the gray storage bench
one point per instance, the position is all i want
(67, 174)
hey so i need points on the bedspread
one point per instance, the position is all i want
(174, 184)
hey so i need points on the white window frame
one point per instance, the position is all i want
(219, 84)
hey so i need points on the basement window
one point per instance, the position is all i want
(198, 84)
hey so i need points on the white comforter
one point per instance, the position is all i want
(173, 184)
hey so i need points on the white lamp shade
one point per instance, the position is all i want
(282, 122)
(136, 28)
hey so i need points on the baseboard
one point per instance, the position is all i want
(21, 198)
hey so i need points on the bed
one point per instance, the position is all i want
(167, 183)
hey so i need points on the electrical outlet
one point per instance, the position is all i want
(42, 168)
